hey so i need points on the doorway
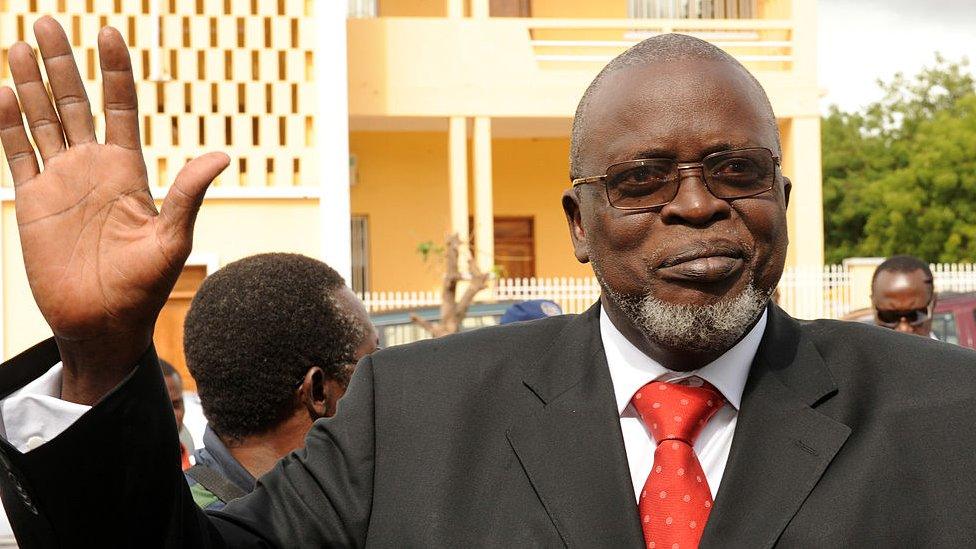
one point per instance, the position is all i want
(168, 336)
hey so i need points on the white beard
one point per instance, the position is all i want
(694, 327)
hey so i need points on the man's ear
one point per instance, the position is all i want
(571, 206)
(313, 393)
(787, 187)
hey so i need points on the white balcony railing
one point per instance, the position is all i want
(693, 9)
(764, 44)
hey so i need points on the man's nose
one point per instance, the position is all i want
(904, 326)
(694, 204)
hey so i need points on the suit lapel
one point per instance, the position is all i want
(782, 444)
(571, 447)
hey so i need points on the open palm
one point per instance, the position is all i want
(100, 259)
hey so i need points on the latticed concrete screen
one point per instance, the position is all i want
(229, 75)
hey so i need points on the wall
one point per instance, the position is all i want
(227, 229)
(579, 8)
(530, 176)
(412, 8)
(402, 187)
(427, 67)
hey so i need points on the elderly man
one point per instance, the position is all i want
(682, 410)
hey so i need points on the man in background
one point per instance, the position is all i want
(532, 309)
(903, 295)
(271, 341)
(174, 387)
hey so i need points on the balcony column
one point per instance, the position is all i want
(479, 9)
(457, 158)
(807, 195)
(332, 135)
(484, 220)
(455, 8)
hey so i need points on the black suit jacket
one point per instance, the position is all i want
(848, 435)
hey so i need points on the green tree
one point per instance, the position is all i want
(899, 175)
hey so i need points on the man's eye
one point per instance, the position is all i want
(645, 174)
(737, 167)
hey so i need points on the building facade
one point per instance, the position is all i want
(460, 113)
(365, 134)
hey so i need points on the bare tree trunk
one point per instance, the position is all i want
(453, 310)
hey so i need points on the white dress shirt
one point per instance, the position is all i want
(32, 415)
(631, 369)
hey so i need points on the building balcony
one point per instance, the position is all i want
(539, 66)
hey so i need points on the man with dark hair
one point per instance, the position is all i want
(271, 341)
(903, 295)
(682, 410)
(174, 388)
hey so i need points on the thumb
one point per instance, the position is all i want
(179, 209)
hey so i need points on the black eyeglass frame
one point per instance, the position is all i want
(636, 163)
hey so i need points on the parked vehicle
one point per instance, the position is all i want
(954, 318)
(396, 328)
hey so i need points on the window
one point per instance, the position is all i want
(692, 9)
(944, 327)
(514, 245)
(360, 254)
(510, 8)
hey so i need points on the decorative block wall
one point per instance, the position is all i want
(230, 75)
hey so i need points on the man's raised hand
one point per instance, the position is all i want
(100, 259)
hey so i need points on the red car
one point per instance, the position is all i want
(954, 318)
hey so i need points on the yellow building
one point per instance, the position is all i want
(460, 111)
(232, 75)
(357, 140)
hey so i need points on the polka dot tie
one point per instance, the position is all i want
(675, 502)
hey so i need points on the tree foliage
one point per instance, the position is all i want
(900, 175)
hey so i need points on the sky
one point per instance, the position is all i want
(860, 41)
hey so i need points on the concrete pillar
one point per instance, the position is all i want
(484, 221)
(457, 157)
(861, 271)
(807, 194)
(479, 8)
(455, 8)
(332, 135)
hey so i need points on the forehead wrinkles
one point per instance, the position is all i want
(682, 106)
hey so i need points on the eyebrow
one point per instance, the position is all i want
(658, 152)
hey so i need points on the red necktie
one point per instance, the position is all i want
(675, 502)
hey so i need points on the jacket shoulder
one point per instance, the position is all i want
(489, 344)
(862, 353)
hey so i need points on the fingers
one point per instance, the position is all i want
(16, 146)
(179, 210)
(66, 85)
(43, 121)
(121, 112)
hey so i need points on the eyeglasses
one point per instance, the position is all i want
(648, 183)
(914, 317)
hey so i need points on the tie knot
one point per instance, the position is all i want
(676, 412)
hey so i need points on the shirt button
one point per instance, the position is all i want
(34, 442)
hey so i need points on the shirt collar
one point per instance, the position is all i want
(215, 455)
(631, 369)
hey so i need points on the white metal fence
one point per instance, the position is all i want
(803, 292)
(362, 8)
(814, 292)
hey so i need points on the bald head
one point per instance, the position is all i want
(660, 49)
